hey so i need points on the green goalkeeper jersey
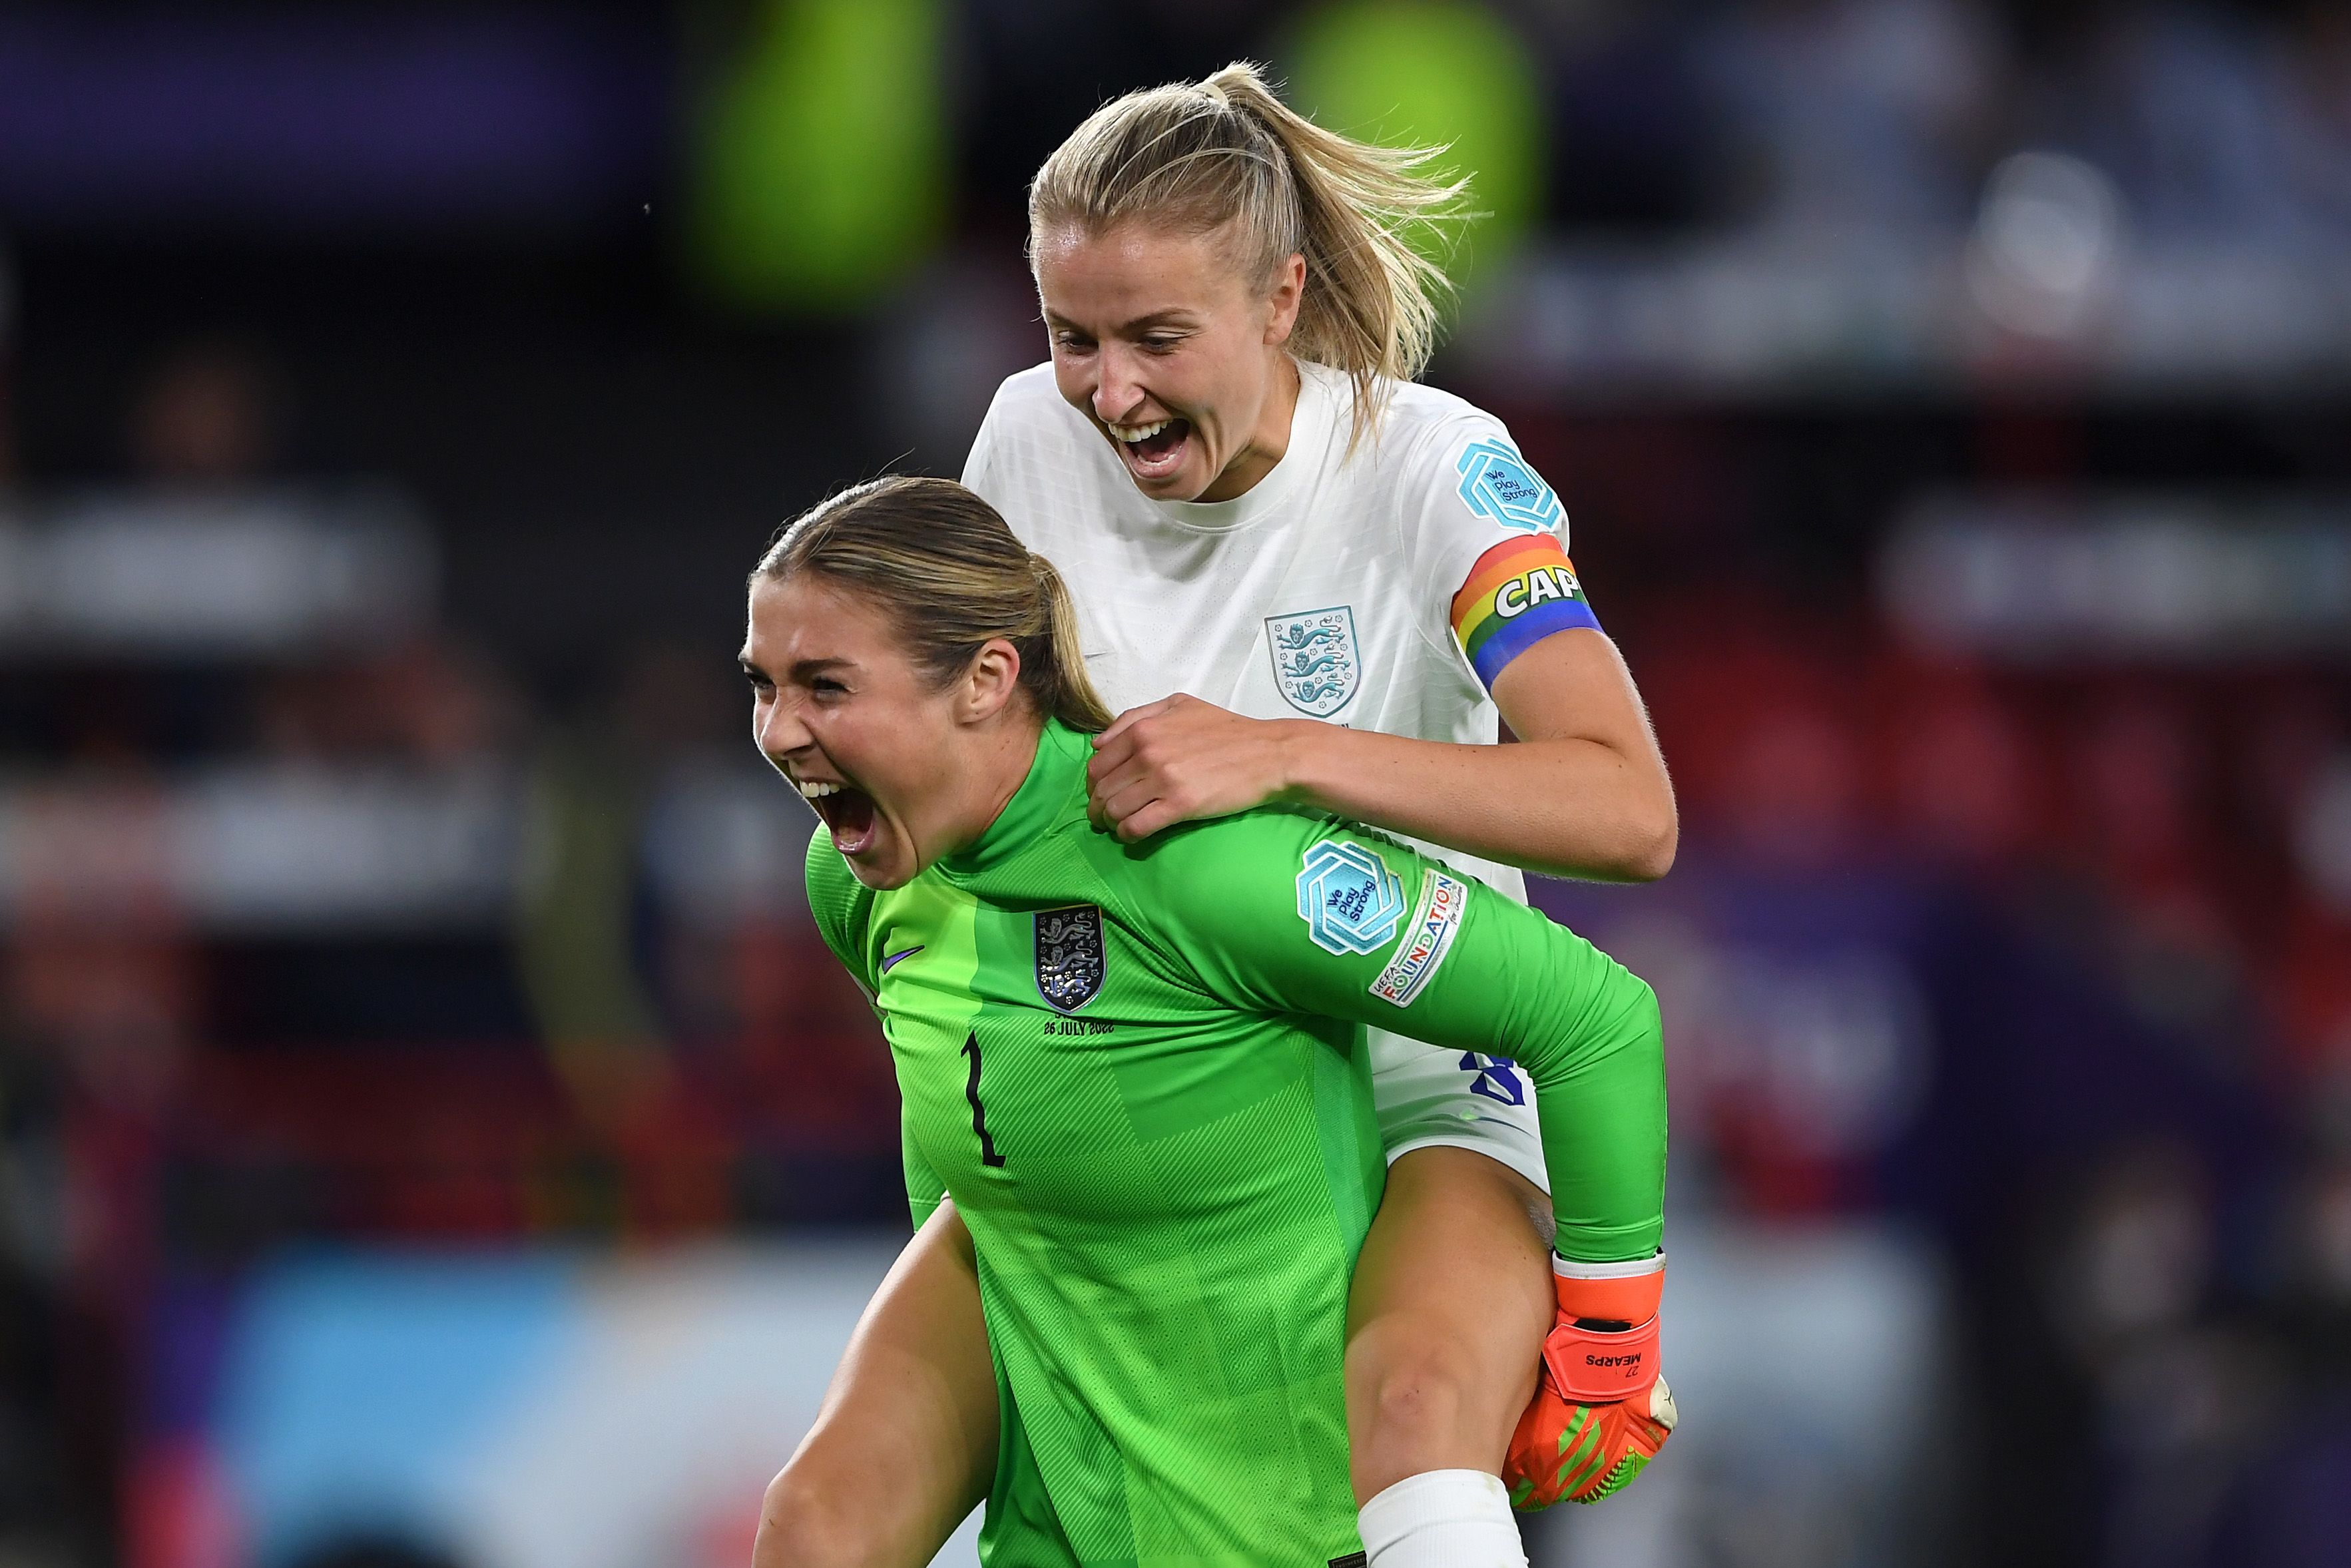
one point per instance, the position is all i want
(1138, 1070)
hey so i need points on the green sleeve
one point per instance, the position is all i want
(843, 906)
(1286, 910)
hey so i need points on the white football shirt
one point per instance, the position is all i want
(1342, 587)
(1327, 591)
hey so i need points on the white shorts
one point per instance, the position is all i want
(1425, 1094)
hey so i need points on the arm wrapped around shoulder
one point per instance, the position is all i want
(1601, 1410)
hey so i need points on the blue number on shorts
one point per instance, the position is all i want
(1498, 1078)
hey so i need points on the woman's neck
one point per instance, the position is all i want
(994, 767)
(1267, 442)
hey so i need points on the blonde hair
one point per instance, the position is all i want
(1199, 156)
(946, 569)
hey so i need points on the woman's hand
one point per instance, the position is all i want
(1180, 759)
(1584, 794)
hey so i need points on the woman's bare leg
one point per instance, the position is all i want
(905, 1444)
(1451, 1303)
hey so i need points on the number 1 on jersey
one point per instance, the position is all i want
(987, 1154)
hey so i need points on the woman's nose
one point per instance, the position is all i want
(1117, 391)
(776, 726)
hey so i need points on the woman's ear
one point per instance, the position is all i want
(991, 681)
(1288, 294)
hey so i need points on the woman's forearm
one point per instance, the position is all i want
(1566, 807)
(905, 1443)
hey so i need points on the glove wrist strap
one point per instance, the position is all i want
(1624, 1292)
(1589, 1366)
(1597, 1366)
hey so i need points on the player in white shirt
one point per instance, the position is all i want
(1303, 577)
(1306, 597)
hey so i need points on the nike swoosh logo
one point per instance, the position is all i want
(895, 957)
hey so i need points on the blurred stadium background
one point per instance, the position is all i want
(430, 1133)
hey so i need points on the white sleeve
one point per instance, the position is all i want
(979, 463)
(1001, 466)
(1477, 522)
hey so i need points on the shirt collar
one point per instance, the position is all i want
(1310, 441)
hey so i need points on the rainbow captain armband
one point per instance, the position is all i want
(1520, 592)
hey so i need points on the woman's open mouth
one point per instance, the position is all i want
(1152, 451)
(848, 813)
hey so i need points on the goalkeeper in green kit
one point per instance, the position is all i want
(1136, 1072)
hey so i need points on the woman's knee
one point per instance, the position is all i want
(1451, 1300)
(805, 1524)
(1409, 1378)
(1418, 1400)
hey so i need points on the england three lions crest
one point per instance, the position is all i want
(1069, 955)
(1315, 661)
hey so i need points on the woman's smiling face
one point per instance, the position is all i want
(1173, 353)
(882, 752)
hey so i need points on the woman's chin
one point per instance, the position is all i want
(881, 873)
(878, 857)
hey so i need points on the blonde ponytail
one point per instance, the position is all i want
(1063, 688)
(1197, 157)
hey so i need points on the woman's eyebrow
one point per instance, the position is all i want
(1171, 315)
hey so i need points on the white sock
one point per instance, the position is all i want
(1442, 1518)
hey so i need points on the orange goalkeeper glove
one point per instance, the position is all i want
(1601, 1410)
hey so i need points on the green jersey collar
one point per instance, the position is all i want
(1060, 766)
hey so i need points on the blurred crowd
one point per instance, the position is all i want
(2209, 120)
(318, 922)
(327, 912)
(2076, 1004)
(2215, 117)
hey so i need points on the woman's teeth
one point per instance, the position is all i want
(812, 790)
(1131, 434)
